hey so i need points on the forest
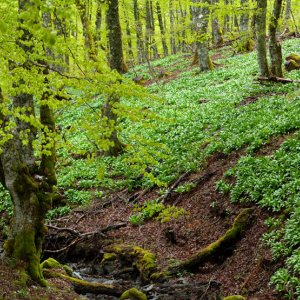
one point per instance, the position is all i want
(150, 149)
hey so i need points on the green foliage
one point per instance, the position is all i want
(273, 183)
(78, 197)
(185, 187)
(58, 212)
(154, 208)
(5, 202)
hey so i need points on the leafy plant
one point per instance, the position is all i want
(154, 208)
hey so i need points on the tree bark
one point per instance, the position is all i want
(87, 30)
(288, 12)
(216, 29)
(30, 190)
(200, 22)
(275, 46)
(261, 20)
(139, 32)
(151, 50)
(172, 27)
(244, 20)
(162, 29)
(115, 37)
(128, 33)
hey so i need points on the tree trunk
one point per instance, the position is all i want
(115, 37)
(128, 33)
(162, 29)
(30, 189)
(139, 33)
(172, 27)
(87, 30)
(275, 46)
(288, 12)
(116, 63)
(150, 31)
(216, 30)
(244, 20)
(261, 20)
(200, 21)
(98, 23)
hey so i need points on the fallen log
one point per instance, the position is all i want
(277, 79)
(52, 269)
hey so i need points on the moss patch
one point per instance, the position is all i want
(142, 259)
(133, 294)
(236, 297)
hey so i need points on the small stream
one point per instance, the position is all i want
(183, 288)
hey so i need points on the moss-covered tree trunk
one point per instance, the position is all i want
(261, 21)
(275, 46)
(115, 37)
(116, 63)
(200, 22)
(31, 198)
(29, 181)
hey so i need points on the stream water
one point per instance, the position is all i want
(183, 288)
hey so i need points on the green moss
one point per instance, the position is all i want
(145, 263)
(236, 297)
(51, 263)
(108, 257)
(160, 276)
(225, 241)
(133, 294)
(24, 249)
(83, 286)
(294, 56)
(142, 259)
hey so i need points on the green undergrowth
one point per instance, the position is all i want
(192, 117)
(273, 182)
(155, 209)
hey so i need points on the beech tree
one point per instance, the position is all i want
(200, 13)
(28, 179)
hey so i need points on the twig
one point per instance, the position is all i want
(60, 229)
(174, 186)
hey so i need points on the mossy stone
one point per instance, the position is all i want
(133, 294)
(236, 297)
(51, 263)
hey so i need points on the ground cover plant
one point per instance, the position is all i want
(174, 131)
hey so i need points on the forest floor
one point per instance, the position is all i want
(246, 270)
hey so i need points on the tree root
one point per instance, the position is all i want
(214, 250)
(84, 287)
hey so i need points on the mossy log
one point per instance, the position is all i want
(52, 268)
(133, 294)
(143, 260)
(84, 287)
(217, 248)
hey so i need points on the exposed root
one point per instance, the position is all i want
(221, 246)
